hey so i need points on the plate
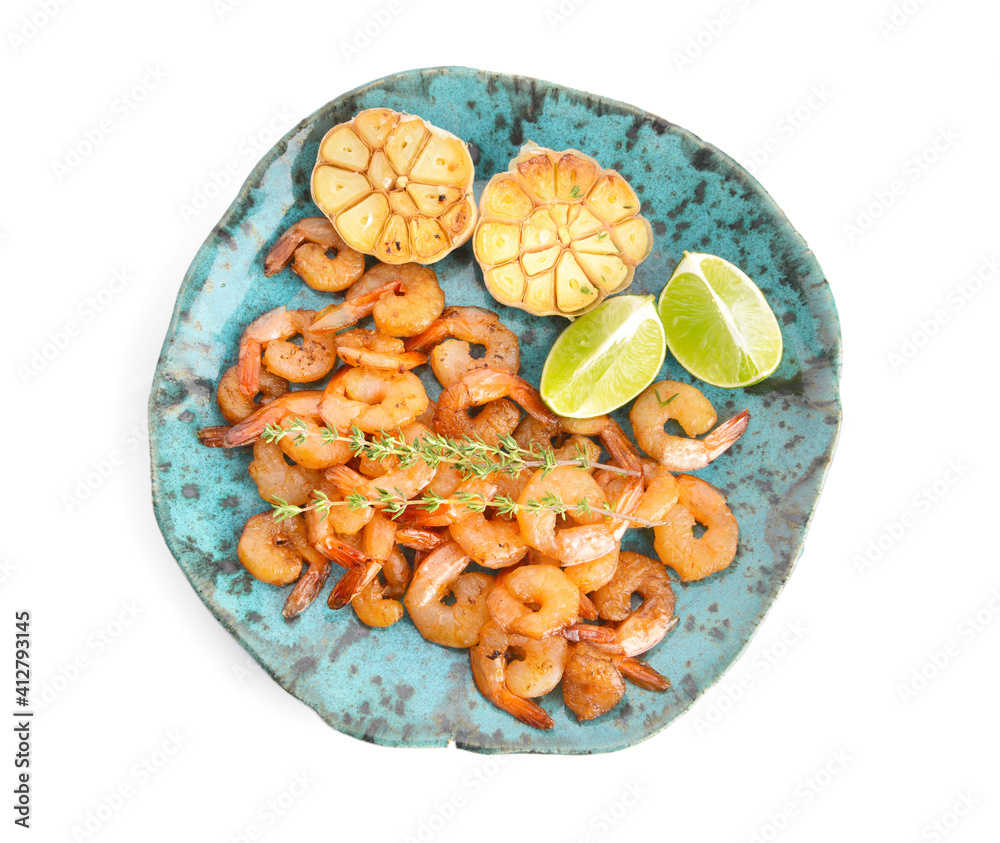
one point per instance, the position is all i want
(390, 686)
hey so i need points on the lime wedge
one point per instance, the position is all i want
(718, 324)
(605, 358)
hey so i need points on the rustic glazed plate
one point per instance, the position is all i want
(390, 686)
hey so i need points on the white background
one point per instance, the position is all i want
(758, 754)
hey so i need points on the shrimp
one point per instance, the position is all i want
(451, 360)
(303, 403)
(586, 576)
(308, 242)
(376, 351)
(547, 588)
(418, 303)
(337, 520)
(457, 625)
(658, 497)
(613, 438)
(269, 333)
(267, 551)
(359, 301)
(477, 388)
(277, 480)
(273, 551)
(646, 626)
(667, 400)
(489, 670)
(305, 442)
(537, 437)
(696, 558)
(406, 482)
(592, 684)
(372, 400)
(491, 542)
(375, 604)
(538, 664)
(396, 571)
(235, 405)
(576, 488)
(419, 539)
(477, 489)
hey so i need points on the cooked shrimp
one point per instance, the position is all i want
(396, 571)
(297, 363)
(457, 625)
(361, 347)
(574, 486)
(303, 403)
(337, 520)
(379, 537)
(592, 684)
(658, 497)
(310, 584)
(537, 437)
(306, 444)
(308, 242)
(613, 438)
(477, 388)
(646, 626)
(417, 304)
(416, 538)
(267, 551)
(534, 600)
(375, 604)
(696, 558)
(372, 400)
(538, 664)
(277, 480)
(667, 400)
(405, 482)
(235, 405)
(490, 541)
(489, 670)
(451, 360)
(479, 489)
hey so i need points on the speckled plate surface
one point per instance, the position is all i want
(390, 686)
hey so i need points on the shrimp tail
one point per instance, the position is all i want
(588, 611)
(603, 637)
(345, 479)
(343, 554)
(417, 539)
(431, 335)
(214, 437)
(640, 673)
(252, 427)
(306, 590)
(528, 712)
(720, 439)
(617, 443)
(281, 252)
(248, 366)
(333, 317)
(351, 584)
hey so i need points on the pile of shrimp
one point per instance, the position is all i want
(537, 598)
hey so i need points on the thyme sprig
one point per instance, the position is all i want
(472, 457)
(394, 503)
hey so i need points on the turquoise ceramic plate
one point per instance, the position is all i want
(390, 686)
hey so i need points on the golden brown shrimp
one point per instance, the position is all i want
(297, 363)
(587, 576)
(491, 542)
(303, 403)
(375, 604)
(538, 664)
(543, 586)
(537, 437)
(306, 245)
(372, 400)
(235, 405)
(643, 628)
(306, 444)
(417, 304)
(667, 400)
(451, 360)
(277, 480)
(477, 388)
(359, 301)
(696, 558)
(267, 551)
(404, 481)
(362, 347)
(573, 486)
(441, 572)
(659, 492)
(489, 670)
(613, 438)
(592, 684)
(310, 584)
(481, 489)
(397, 572)
(338, 520)
(417, 538)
